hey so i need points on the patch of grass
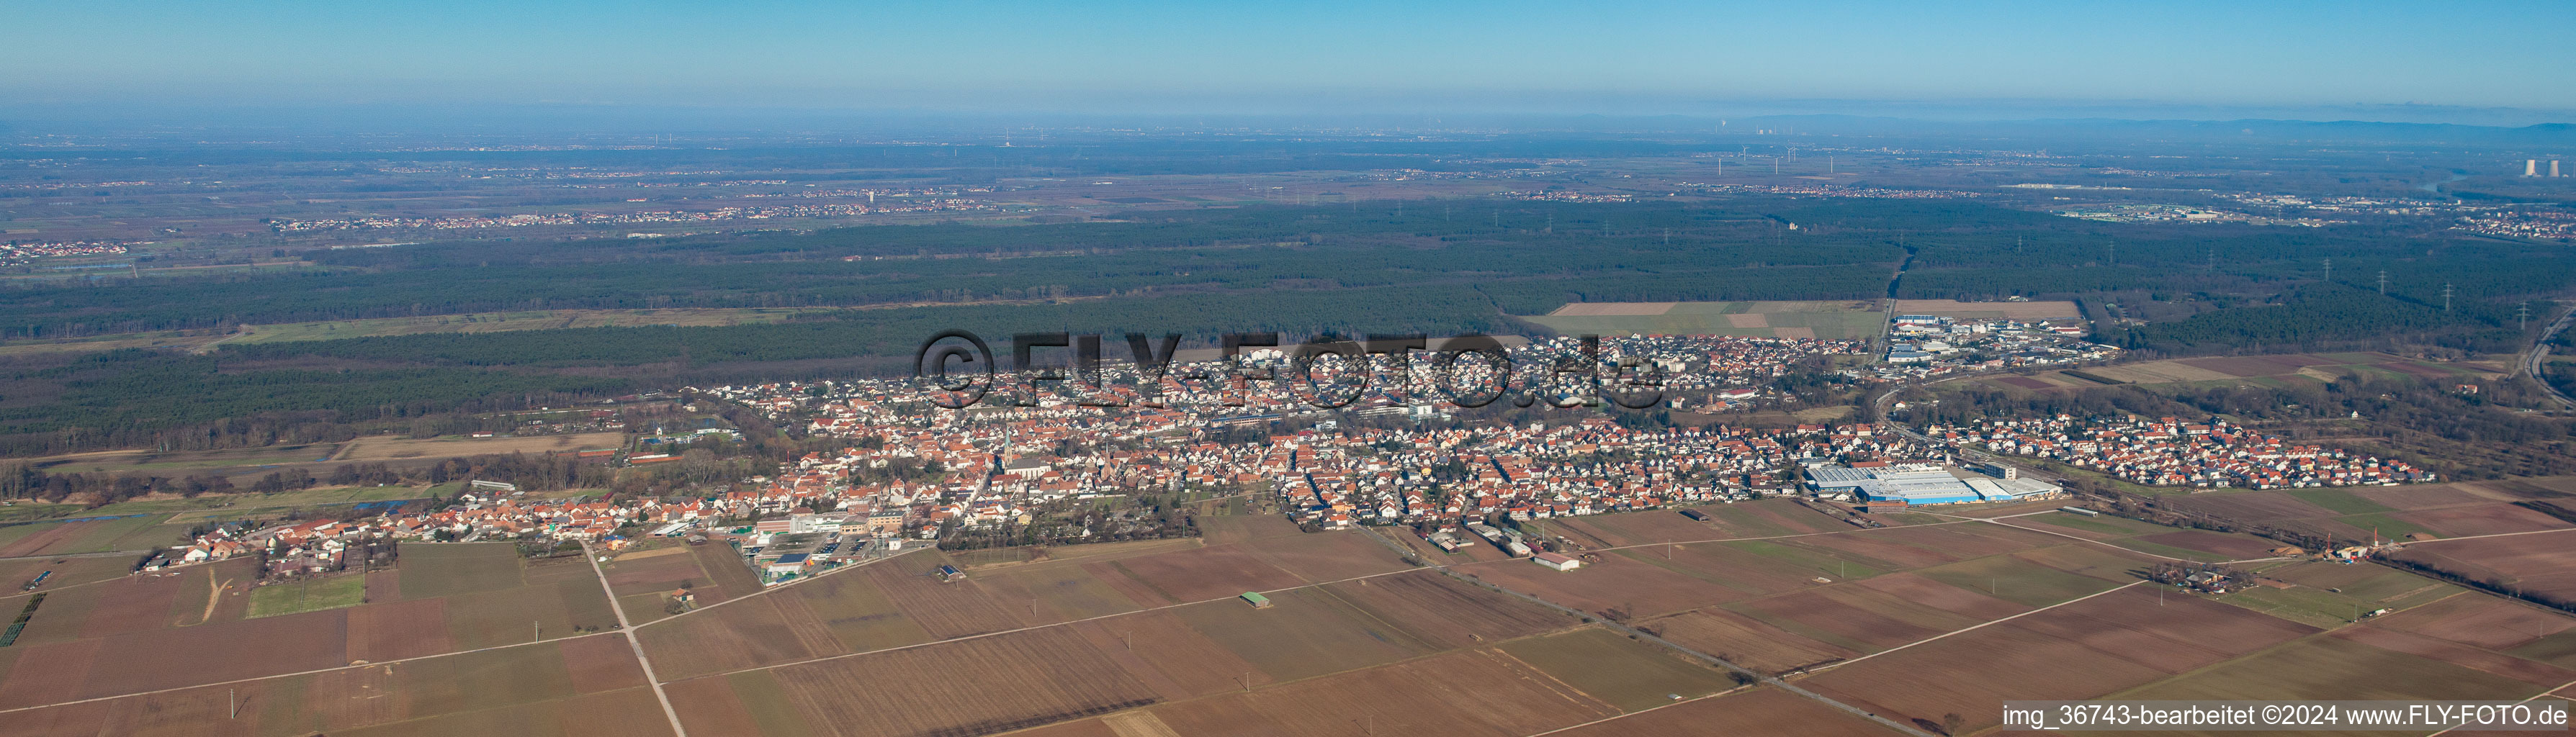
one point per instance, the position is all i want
(2354, 589)
(2108, 525)
(1629, 675)
(447, 569)
(2321, 667)
(205, 508)
(26, 511)
(2170, 551)
(487, 322)
(2016, 580)
(1841, 567)
(2388, 526)
(309, 595)
(2342, 502)
(767, 701)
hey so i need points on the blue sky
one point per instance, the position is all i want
(1559, 57)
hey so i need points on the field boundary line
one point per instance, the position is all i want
(298, 673)
(978, 636)
(624, 628)
(2533, 697)
(1779, 537)
(1641, 711)
(861, 564)
(2090, 540)
(1633, 632)
(65, 586)
(2413, 543)
(1978, 626)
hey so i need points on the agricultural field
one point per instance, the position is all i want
(2266, 370)
(1624, 673)
(2024, 311)
(2360, 663)
(2328, 595)
(308, 595)
(382, 449)
(1831, 320)
(582, 686)
(1912, 622)
(643, 579)
(2541, 564)
(1763, 711)
(181, 463)
(87, 535)
(2089, 648)
(492, 322)
(2392, 512)
(177, 514)
(896, 602)
(1762, 518)
(108, 637)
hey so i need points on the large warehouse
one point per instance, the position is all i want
(1917, 487)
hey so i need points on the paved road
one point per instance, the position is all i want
(2539, 354)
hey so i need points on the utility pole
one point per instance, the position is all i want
(2115, 253)
(2446, 297)
(2522, 316)
(2329, 269)
(232, 703)
(2383, 282)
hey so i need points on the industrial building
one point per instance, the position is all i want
(1558, 562)
(1917, 485)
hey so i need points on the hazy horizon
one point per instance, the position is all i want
(2379, 62)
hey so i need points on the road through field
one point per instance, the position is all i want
(1978, 627)
(334, 669)
(1642, 635)
(628, 630)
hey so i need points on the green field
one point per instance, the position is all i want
(1628, 674)
(308, 595)
(232, 506)
(1828, 320)
(2016, 580)
(488, 322)
(2339, 500)
(447, 569)
(2322, 667)
(130, 533)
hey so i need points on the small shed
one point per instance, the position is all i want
(1256, 600)
(1557, 562)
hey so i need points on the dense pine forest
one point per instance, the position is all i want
(870, 294)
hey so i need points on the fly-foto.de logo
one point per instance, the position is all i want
(958, 369)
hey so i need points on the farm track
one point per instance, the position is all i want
(671, 713)
(316, 671)
(627, 630)
(1676, 647)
